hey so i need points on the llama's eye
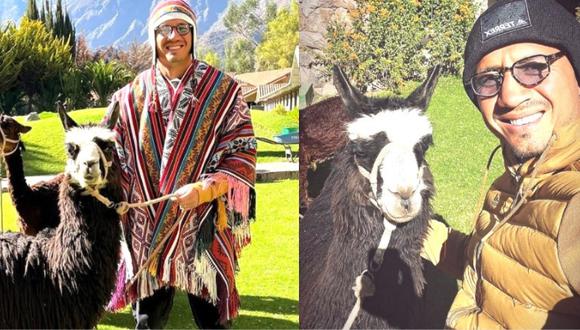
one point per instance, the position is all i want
(109, 147)
(426, 142)
(72, 149)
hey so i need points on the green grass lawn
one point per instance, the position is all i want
(45, 151)
(462, 145)
(269, 124)
(268, 277)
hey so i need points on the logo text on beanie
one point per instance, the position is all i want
(504, 19)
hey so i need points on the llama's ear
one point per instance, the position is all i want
(24, 129)
(421, 96)
(356, 103)
(114, 116)
(67, 122)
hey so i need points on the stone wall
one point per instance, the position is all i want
(315, 15)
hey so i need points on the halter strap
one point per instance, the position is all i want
(373, 177)
(7, 139)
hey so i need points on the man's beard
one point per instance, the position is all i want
(530, 149)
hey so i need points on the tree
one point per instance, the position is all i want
(390, 42)
(105, 78)
(32, 11)
(83, 51)
(248, 20)
(10, 65)
(70, 33)
(77, 87)
(281, 38)
(240, 56)
(47, 15)
(138, 57)
(211, 57)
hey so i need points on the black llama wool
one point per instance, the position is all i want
(342, 227)
(63, 276)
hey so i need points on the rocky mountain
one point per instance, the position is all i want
(121, 22)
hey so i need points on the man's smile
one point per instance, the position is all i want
(521, 119)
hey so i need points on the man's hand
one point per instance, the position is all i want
(194, 194)
(188, 195)
(432, 244)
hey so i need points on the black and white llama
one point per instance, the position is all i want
(379, 179)
(63, 277)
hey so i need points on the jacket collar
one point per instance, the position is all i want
(563, 151)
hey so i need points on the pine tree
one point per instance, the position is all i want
(70, 33)
(43, 14)
(32, 10)
(59, 30)
(48, 21)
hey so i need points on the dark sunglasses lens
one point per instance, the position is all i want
(486, 84)
(182, 29)
(531, 71)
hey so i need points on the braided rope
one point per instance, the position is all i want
(123, 207)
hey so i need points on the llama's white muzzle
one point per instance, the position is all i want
(85, 169)
(399, 183)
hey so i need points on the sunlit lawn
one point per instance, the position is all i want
(45, 151)
(268, 277)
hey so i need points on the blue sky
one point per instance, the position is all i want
(208, 11)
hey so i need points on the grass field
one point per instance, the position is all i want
(268, 277)
(45, 151)
(462, 145)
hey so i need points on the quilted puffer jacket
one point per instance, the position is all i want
(521, 264)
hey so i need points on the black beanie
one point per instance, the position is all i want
(513, 21)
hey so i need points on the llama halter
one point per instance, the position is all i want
(7, 139)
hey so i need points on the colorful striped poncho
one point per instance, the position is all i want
(170, 136)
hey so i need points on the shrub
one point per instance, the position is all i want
(105, 78)
(279, 109)
(389, 42)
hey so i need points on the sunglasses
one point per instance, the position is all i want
(528, 72)
(182, 29)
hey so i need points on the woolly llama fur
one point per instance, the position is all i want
(63, 276)
(341, 229)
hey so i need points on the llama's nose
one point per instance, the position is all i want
(405, 203)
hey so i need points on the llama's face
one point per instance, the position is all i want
(90, 149)
(90, 154)
(10, 134)
(395, 141)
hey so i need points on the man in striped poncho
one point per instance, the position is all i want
(185, 129)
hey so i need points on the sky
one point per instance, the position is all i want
(207, 11)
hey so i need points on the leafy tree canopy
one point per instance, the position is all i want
(240, 56)
(281, 38)
(247, 19)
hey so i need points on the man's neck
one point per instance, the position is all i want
(174, 70)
